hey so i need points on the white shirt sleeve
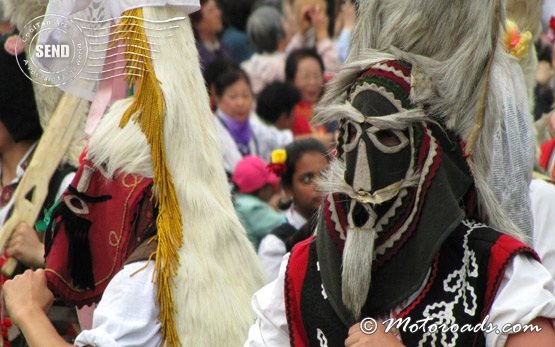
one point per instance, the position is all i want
(342, 44)
(269, 138)
(525, 293)
(271, 252)
(270, 328)
(127, 315)
(325, 49)
(542, 202)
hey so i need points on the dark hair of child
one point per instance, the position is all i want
(276, 99)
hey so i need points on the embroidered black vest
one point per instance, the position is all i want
(460, 289)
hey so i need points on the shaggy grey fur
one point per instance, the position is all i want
(451, 76)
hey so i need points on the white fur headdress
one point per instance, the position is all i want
(206, 269)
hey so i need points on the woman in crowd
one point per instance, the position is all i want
(240, 132)
(207, 25)
(304, 68)
(302, 164)
(212, 72)
(265, 29)
(311, 22)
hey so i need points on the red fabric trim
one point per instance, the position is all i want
(294, 279)
(546, 150)
(502, 252)
(301, 125)
(398, 66)
(422, 295)
(389, 75)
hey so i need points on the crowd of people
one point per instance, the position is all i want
(373, 168)
(270, 45)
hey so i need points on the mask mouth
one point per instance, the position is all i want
(359, 215)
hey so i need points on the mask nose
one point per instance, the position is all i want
(358, 173)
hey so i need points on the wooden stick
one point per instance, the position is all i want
(48, 154)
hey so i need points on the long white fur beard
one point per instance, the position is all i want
(358, 256)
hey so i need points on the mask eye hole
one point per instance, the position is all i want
(352, 136)
(351, 133)
(388, 138)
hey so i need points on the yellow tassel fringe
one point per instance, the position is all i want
(149, 107)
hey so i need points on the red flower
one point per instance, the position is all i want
(277, 169)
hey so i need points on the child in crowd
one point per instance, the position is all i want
(254, 187)
(302, 163)
(275, 105)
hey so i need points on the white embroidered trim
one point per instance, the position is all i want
(322, 338)
(456, 283)
(335, 218)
